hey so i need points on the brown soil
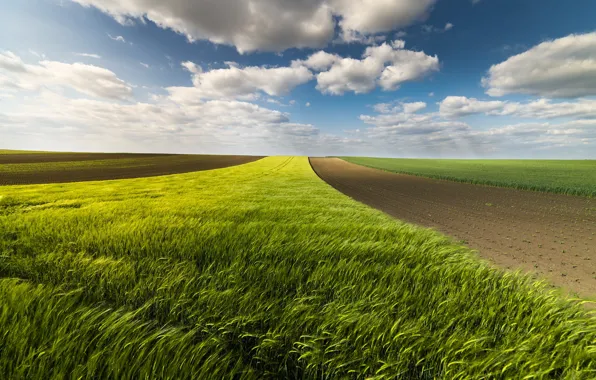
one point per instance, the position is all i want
(144, 167)
(551, 235)
(29, 158)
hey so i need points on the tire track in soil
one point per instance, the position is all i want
(551, 235)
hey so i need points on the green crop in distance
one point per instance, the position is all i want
(557, 176)
(260, 271)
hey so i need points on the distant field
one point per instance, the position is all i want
(14, 151)
(260, 271)
(37, 157)
(557, 176)
(36, 167)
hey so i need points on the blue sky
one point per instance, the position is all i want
(397, 78)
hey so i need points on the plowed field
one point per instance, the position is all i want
(551, 235)
(21, 169)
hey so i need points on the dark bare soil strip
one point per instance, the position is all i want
(28, 158)
(143, 167)
(551, 235)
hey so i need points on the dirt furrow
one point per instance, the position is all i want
(551, 235)
(141, 167)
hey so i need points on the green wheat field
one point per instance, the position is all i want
(261, 271)
(573, 177)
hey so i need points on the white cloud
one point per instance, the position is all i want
(307, 104)
(38, 55)
(434, 29)
(376, 16)
(545, 135)
(192, 67)
(12, 62)
(179, 125)
(144, 65)
(394, 115)
(457, 106)
(86, 79)
(272, 25)
(403, 130)
(96, 56)
(351, 36)
(546, 109)
(117, 38)
(232, 64)
(413, 107)
(236, 82)
(565, 67)
(399, 108)
(319, 61)
(386, 65)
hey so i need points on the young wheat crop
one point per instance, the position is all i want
(260, 271)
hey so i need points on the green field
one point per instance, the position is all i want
(14, 151)
(260, 271)
(556, 176)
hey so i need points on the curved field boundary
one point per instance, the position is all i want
(94, 167)
(552, 176)
(37, 157)
(260, 271)
(551, 235)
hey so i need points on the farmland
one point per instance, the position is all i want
(556, 176)
(551, 235)
(260, 271)
(22, 167)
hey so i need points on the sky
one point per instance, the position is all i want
(387, 78)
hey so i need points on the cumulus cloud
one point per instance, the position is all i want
(86, 79)
(413, 107)
(351, 36)
(206, 117)
(222, 126)
(399, 107)
(374, 16)
(319, 61)
(561, 68)
(272, 25)
(387, 65)
(546, 109)
(541, 136)
(458, 106)
(396, 115)
(234, 82)
(401, 128)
